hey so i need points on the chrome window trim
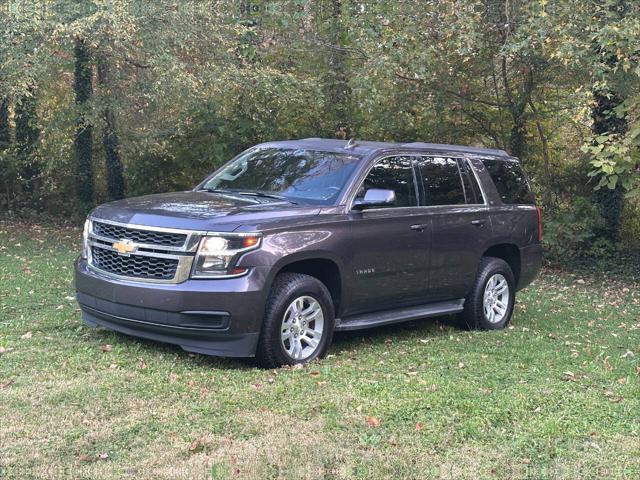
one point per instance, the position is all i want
(467, 159)
(352, 196)
(402, 153)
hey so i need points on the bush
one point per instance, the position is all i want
(571, 232)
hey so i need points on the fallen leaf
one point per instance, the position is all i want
(315, 373)
(461, 365)
(373, 422)
(173, 377)
(142, 364)
(106, 348)
(6, 384)
(27, 335)
(83, 457)
(526, 461)
(569, 376)
(580, 281)
(418, 427)
(196, 446)
(622, 380)
(113, 366)
(103, 456)
(2, 350)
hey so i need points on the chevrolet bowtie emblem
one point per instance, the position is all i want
(124, 247)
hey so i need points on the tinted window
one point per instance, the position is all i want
(471, 188)
(393, 173)
(307, 176)
(442, 181)
(510, 181)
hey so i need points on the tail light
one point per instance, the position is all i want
(539, 212)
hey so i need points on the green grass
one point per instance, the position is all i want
(554, 396)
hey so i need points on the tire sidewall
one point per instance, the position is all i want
(494, 267)
(310, 287)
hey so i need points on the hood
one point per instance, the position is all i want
(193, 210)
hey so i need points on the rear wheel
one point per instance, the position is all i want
(489, 305)
(298, 321)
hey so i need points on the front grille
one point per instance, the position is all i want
(148, 237)
(136, 266)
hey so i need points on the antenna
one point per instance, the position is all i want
(351, 143)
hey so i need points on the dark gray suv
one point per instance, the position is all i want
(291, 241)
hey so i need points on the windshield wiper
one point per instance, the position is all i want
(258, 193)
(215, 190)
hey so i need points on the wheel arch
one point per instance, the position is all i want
(510, 253)
(323, 266)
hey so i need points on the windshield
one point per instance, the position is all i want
(295, 175)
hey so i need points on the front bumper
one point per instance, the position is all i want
(215, 317)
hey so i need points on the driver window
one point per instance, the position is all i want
(393, 173)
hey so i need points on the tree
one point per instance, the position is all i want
(83, 140)
(5, 129)
(27, 134)
(110, 142)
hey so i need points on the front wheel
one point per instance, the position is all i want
(298, 321)
(489, 305)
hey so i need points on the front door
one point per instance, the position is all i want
(389, 246)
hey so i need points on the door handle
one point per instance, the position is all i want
(419, 227)
(478, 223)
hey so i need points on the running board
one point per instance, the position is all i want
(387, 317)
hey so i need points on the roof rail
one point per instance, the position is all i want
(460, 148)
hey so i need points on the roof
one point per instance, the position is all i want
(363, 147)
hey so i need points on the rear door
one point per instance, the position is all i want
(459, 221)
(389, 246)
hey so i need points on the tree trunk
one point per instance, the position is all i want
(27, 135)
(115, 180)
(609, 201)
(338, 90)
(83, 140)
(5, 131)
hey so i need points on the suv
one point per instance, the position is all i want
(292, 241)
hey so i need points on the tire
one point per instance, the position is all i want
(291, 295)
(475, 314)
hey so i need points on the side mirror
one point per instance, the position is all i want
(375, 197)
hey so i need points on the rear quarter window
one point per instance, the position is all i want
(510, 181)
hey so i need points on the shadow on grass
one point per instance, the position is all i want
(153, 348)
(426, 328)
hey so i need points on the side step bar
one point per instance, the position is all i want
(387, 317)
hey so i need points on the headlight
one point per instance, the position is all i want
(217, 254)
(85, 239)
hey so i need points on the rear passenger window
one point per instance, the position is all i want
(393, 173)
(510, 181)
(442, 181)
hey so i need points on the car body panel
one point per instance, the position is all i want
(382, 261)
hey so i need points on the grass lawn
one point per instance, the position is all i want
(556, 395)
